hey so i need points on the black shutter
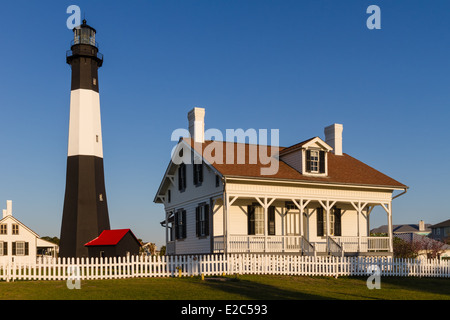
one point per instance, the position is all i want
(13, 249)
(319, 222)
(183, 217)
(321, 161)
(180, 177)
(5, 248)
(200, 172)
(308, 160)
(217, 181)
(184, 176)
(195, 166)
(197, 221)
(251, 220)
(271, 221)
(26, 248)
(177, 233)
(207, 220)
(337, 222)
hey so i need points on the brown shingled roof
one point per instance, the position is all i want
(341, 169)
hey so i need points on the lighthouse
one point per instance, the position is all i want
(85, 212)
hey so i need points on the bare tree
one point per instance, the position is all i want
(406, 249)
(433, 248)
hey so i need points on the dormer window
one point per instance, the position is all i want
(315, 161)
(309, 157)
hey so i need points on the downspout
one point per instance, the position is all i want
(225, 218)
(391, 235)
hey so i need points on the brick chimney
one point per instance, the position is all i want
(333, 137)
(8, 211)
(196, 119)
(421, 225)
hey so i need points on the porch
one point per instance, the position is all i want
(307, 226)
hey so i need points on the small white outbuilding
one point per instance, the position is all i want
(18, 243)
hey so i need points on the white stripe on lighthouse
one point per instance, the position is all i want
(85, 129)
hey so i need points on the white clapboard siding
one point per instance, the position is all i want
(214, 265)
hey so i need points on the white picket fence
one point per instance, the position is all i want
(214, 265)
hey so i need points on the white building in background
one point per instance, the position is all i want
(18, 243)
(319, 200)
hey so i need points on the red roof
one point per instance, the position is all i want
(109, 237)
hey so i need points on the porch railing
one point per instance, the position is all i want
(334, 248)
(363, 244)
(278, 244)
(256, 243)
(308, 249)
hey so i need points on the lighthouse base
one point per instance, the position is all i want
(85, 213)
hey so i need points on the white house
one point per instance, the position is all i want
(18, 243)
(230, 200)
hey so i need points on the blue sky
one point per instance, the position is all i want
(296, 66)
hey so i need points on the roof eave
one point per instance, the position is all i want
(372, 186)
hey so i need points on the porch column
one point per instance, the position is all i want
(359, 208)
(327, 208)
(388, 208)
(265, 204)
(266, 224)
(391, 236)
(167, 228)
(226, 220)
(226, 239)
(369, 210)
(301, 207)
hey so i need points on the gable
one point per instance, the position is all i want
(170, 176)
(317, 143)
(12, 220)
(313, 143)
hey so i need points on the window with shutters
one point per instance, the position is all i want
(335, 222)
(255, 220)
(20, 248)
(2, 246)
(180, 224)
(202, 220)
(315, 161)
(198, 174)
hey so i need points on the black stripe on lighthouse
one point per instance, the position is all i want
(85, 212)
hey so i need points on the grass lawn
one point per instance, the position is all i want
(245, 287)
